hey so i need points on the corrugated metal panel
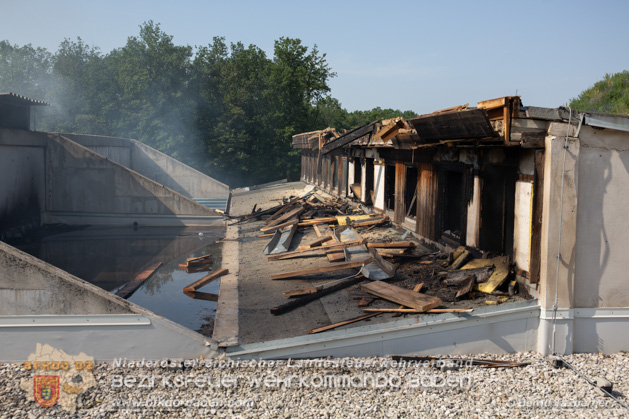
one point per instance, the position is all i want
(14, 99)
(617, 122)
(213, 203)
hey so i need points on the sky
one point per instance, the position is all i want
(407, 55)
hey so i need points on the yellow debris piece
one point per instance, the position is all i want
(497, 278)
(342, 220)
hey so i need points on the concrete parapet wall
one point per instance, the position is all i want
(154, 165)
(43, 304)
(82, 181)
(30, 286)
(174, 174)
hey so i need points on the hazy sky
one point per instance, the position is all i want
(418, 55)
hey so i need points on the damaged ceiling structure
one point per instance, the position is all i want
(544, 187)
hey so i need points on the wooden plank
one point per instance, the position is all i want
(279, 226)
(302, 291)
(319, 242)
(207, 257)
(371, 222)
(293, 213)
(497, 278)
(321, 250)
(206, 280)
(317, 231)
(137, 281)
(299, 302)
(402, 296)
(281, 210)
(348, 138)
(461, 260)
(416, 288)
(336, 256)
(314, 221)
(466, 286)
(198, 295)
(492, 103)
(321, 269)
(365, 301)
(391, 244)
(412, 310)
(339, 324)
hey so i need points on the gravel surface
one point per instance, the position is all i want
(376, 388)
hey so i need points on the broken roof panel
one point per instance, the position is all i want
(348, 138)
(466, 124)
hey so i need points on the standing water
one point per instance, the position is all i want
(111, 257)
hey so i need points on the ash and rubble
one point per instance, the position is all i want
(305, 209)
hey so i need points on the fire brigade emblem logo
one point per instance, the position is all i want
(46, 389)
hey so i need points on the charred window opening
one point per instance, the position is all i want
(497, 209)
(358, 176)
(410, 192)
(389, 187)
(358, 171)
(453, 202)
(369, 189)
(455, 192)
(335, 173)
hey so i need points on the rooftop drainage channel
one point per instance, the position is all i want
(504, 329)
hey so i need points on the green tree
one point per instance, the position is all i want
(299, 79)
(81, 90)
(234, 111)
(610, 95)
(25, 70)
(154, 101)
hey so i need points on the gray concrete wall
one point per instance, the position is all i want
(174, 174)
(43, 304)
(80, 181)
(30, 286)
(154, 165)
(602, 225)
(22, 181)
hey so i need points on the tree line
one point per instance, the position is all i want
(227, 110)
(609, 95)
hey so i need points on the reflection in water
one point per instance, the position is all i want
(111, 257)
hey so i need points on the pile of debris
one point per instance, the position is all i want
(339, 229)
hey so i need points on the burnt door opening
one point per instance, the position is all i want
(452, 210)
(358, 177)
(369, 190)
(410, 192)
(497, 209)
(389, 187)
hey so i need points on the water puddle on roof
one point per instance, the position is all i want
(111, 257)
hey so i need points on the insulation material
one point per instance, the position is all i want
(522, 224)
